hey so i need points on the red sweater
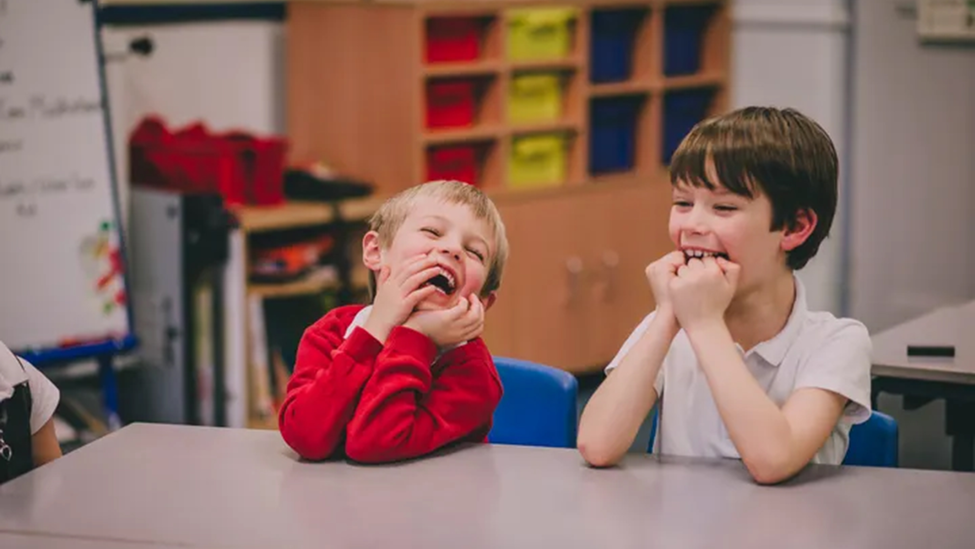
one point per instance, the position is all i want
(384, 402)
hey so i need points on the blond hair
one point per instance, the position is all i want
(390, 217)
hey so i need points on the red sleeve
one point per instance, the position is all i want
(407, 411)
(322, 394)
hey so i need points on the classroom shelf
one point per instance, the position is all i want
(461, 135)
(710, 79)
(298, 214)
(601, 49)
(323, 280)
(456, 69)
(572, 126)
(619, 88)
(568, 63)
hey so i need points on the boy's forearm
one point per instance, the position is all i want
(756, 425)
(613, 415)
(405, 412)
(324, 391)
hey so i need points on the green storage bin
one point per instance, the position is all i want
(535, 98)
(540, 33)
(537, 161)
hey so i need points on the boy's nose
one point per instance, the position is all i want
(695, 222)
(451, 251)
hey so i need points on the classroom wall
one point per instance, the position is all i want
(793, 53)
(913, 220)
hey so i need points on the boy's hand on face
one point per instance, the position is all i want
(660, 274)
(397, 294)
(448, 327)
(702, 290)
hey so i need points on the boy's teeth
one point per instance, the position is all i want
(448, 276)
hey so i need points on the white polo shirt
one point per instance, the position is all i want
(44, 394)
(814, 349)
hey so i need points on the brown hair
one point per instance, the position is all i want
(780, 153)
(390, 216)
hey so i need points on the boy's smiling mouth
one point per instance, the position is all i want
(444, 281)
(695, 253)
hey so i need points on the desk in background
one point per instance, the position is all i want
(213, 487)
(922, 379)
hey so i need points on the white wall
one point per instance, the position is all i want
(913, 222)
(229, 75)
(792, 53)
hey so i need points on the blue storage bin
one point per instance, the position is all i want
(611, 43)
(683, 34)
(612, 133)
(682, 110)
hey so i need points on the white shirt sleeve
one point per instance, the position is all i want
(842, 365)
(44, 397)
(635, 336)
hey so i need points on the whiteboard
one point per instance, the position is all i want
(61, 280)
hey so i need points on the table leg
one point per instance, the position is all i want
(960, 425)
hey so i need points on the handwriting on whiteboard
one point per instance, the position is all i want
(43, 107)
(23, 192)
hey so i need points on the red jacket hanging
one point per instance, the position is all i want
(384, 402)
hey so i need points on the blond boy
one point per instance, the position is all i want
(409, 373)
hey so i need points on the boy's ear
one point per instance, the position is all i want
(489, 300)
(799, 231)
(371, 251)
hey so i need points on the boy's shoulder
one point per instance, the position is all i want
(822, 327)
(12, 372)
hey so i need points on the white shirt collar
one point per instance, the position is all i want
(774, 350)
(359, 319)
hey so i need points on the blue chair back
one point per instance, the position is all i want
(874, 442)
(539, 405)
(654, 419)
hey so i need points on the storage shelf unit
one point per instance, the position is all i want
(370, 95)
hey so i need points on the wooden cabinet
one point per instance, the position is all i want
(362, 85)
(574, 287)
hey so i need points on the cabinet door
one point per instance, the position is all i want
(628, 230)
(542, 296)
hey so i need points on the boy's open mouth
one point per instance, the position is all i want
(701, 254)
(444, 281)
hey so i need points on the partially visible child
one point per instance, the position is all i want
(27, 404)
(741, 367)
(408, 374)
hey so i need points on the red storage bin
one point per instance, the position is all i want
(456, 162)
(450, 103)
(452, 39)
(242, 168)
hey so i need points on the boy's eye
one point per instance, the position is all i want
(431, 230)
(476, 254)
(682, 203)
(725, 208)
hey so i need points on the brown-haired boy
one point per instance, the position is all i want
(741, 367)
(409, 373)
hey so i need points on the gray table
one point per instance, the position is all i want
(44, 541)
(921, 379)
(208, 487)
